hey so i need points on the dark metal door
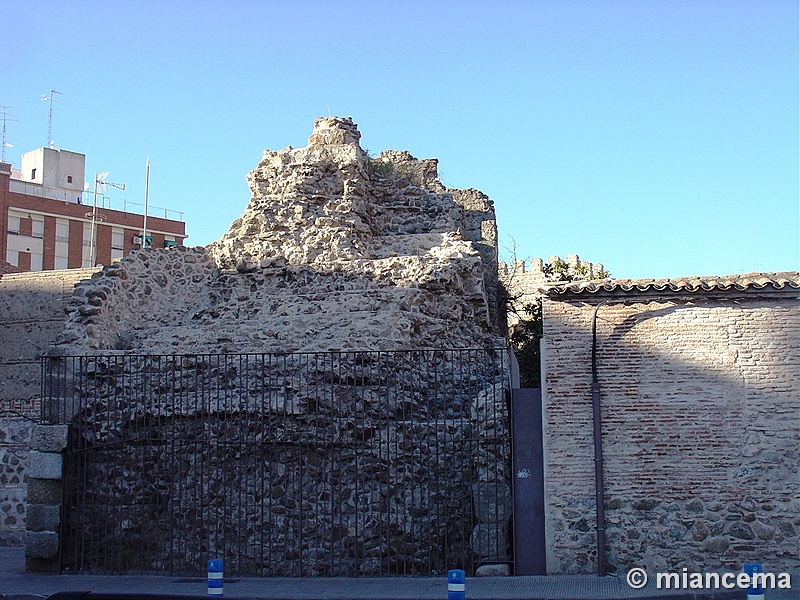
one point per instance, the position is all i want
(528, 472)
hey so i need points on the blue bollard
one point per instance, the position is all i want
(754, 592)
(456, 584)
(215, 579)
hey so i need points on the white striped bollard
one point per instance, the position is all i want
(215, 578)
(754, 592)
(456, 584)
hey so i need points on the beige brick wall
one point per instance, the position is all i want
(700, 403)
(31, 316)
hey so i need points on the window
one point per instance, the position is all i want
(117, 239)
(117, 243)
(69, 178)
(62, 244)
(86, 259)
(37, 227)
(13, 224)
(33, 174)
(62, 230)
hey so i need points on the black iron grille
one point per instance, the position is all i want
(316, 464)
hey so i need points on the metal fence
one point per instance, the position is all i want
(320, 464)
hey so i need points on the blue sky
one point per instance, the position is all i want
(657, 137)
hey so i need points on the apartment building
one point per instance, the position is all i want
(49, 225)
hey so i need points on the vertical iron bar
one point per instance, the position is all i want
(81, 460)
(261, 457)
(270, 435)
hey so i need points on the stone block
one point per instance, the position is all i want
(43, 517)
(49, 438)
(44, 465)
(44, 491)
(715, 545)
(42, 565)
(490, 541)
(741, 531)
(41, 544)
(499, 570)
(15, 431)
(492, 502)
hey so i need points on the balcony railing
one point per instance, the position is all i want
(87, 197)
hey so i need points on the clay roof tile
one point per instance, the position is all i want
(788, 280)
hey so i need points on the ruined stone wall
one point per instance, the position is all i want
(129, 301)
(701, 440)
(325, 464)
(335, 252)
(31, 316)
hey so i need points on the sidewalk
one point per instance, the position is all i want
(17, 585)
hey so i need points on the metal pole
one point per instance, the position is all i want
(598, 454)
(146, 196)
(94, 223)
(52, 99)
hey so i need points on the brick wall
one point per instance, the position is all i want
(5, 178)
(76, 214)
(31, 315)
(700, 399)
(49, 244)
(75, 259)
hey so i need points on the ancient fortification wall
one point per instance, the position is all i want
(524, 281)
(700, 399)
(335, 252)
(31, 316)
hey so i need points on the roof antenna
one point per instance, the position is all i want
(6, 117)
(52, 99)
(101, 184)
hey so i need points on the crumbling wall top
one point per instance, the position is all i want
(330, 131)
(335, 250)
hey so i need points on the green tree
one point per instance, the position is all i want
(527, 333)
(524, 339)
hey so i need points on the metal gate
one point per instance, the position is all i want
(320, 464)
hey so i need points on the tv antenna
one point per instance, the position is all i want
(101, 184)
(51, 98)
(6, 117)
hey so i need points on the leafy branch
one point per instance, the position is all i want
(527, 333)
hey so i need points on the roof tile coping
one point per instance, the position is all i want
(786, 281)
